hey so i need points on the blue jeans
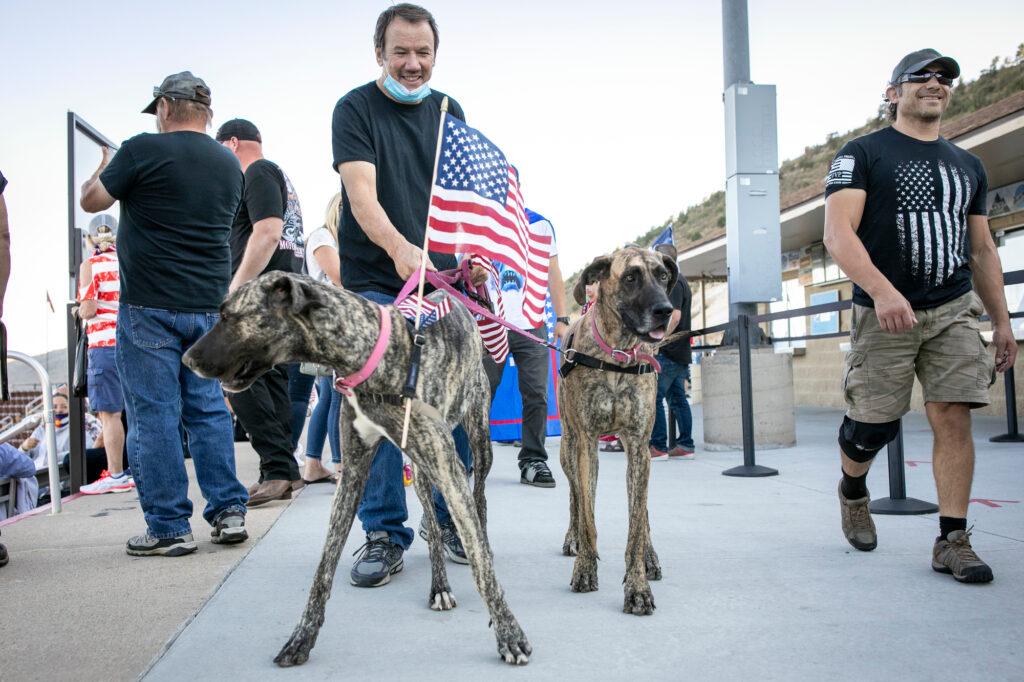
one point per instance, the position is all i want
(383, 506)
(672, 385)
(299, 387)
(160, 394)
(323, 423)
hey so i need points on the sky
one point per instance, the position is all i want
(612, 111)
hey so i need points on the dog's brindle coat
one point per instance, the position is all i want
(283, 317)
(632, 304)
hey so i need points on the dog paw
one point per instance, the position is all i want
(639, 601)
(513, 647)
(296, 651)
(442, 600)
(584, 579)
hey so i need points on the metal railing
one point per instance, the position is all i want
(51, 435)
(897, 502)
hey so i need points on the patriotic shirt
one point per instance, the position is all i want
(105, 289)
(914, 226)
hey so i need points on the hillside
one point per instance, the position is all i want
(706, 220)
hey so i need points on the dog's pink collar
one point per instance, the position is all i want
(630, 356)
(345, 385)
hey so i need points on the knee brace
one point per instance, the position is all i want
(861, 442)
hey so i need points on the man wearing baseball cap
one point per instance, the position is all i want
(179, 191)
(266, 236)
(905, 218)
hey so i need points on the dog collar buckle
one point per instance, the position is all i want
(419, 340)
(622, 355)
(570, 355)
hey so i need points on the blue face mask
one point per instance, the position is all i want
(404, 94)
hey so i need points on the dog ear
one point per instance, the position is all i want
(295, 294)
(673, 271)
(598, 269)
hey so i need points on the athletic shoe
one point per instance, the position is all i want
(536, 474)
(147, 545)
(679, 452)
(229, 529)
(955, 556)
(108, 484)
(657, 454)
(379, 559)
(612, 445)
(858, 527)
(450, 540)
(4, 556)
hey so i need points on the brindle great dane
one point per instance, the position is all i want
(283, 317)
(632, 307)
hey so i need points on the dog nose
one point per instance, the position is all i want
(662, 311)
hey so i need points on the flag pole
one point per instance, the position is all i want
(423, 261)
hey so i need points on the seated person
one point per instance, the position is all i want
(35, 445)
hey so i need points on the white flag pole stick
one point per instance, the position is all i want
(423, 261)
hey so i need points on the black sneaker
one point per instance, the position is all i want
(4, 556)
(537, 474)
(147, 545)
(229, 529)
(450, 540)
(379, 559)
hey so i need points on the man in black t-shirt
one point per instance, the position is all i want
(264, 238)
(179, 191)
(675, 371)
(905, 219)
(384, 138)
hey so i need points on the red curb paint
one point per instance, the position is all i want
(38, 510)
(992, 503)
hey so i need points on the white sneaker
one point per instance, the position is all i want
(108, 484)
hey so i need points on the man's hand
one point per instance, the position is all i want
(1006, 347)
(894, 312)
(407, 258)
(478, 275)
(29, 443)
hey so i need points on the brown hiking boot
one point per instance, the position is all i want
(955, 556)
(858, 527)
(271, 490)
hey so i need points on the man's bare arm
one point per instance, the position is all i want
(265, 237)
(360, 181)
(988, 281)
(5, 252)
(843, 212)
(95, 197)
(556, 286)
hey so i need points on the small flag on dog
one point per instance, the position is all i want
(430, 313)
(476, 207)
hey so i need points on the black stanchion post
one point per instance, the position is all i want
(1012, 435)
(898, 502)
(750, 468)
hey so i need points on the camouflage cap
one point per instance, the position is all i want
(180, 86)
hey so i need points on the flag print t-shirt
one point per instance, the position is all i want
(511, 284)
(914, 226)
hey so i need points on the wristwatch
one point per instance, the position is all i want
(563, 320)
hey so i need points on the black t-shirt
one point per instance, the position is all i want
(914, 227)
(400, 140)
(267, 195)
(679, 351)
(179, 193)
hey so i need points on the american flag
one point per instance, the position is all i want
(476, 207)
(495, 336)
(430, 313)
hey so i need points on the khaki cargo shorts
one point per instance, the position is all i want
(944, 349)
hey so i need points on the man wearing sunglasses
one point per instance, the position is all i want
(905, 218)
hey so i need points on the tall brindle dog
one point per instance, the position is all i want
(598, 398)
(282, 317)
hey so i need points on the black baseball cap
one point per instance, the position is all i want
(239, 128)
(180, 86)
(917, 61)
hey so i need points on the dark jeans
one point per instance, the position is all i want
(300, 386)
(532, 362)
(383, 506)
(161, 395)
(265, 412)
(672, 386)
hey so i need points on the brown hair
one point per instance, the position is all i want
(187, 111)
(414, 14)
(333, 216)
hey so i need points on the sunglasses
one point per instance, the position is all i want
(924, 77)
